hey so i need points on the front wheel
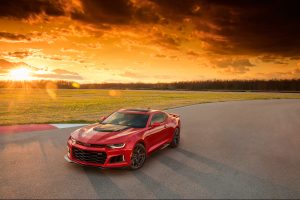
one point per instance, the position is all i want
(138, 157)
(176, 138)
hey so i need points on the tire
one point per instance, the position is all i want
(138, 156)
(176, 138)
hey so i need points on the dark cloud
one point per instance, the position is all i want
(23, 9)
(228, 27)
(273, 59)
(92, 11)
(241, 27)
(95, 11)
(13, 37)
(117, 12)
(232, 27)
(19, 54)
(192, 53)
(146, 12)
(234, 65)
(170, 41)
(253, 27)
(177, 10)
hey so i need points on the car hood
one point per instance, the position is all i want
(104, 133)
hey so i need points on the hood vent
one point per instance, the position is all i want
(110, 128)
(91, 145)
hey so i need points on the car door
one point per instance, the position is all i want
(157, 134)
(165, 127)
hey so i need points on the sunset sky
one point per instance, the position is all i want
(149, 41)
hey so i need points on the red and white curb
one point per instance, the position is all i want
(67, 125)
(34, 127)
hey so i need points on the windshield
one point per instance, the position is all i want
(127, 119)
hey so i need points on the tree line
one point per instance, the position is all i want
(224, 85)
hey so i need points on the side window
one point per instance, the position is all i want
(159, 117)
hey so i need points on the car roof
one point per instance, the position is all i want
(138, 110)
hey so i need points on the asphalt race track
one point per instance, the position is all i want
(246, 149)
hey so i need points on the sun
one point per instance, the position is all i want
(20, 74)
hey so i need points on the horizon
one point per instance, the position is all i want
(283, 85)
(128, 41)
(159, 82)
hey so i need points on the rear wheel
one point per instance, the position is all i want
(176, 138)
(138, 156)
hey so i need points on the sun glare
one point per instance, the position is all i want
(20, 74)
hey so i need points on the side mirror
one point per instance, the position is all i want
(101, 119)
(155, 124)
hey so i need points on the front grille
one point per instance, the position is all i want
(89, 156)
(91, 145)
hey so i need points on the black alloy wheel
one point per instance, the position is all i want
(138, 156)
(176, 138)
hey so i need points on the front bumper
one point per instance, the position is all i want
(110, 155)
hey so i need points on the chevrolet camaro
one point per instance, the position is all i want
(123, 139)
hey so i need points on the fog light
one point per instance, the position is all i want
(116, 159)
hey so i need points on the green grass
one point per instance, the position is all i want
(21, 106)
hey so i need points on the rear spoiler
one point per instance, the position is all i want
(174, 115)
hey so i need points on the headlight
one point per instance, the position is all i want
(73, 140)
(116, 146)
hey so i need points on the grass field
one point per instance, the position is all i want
(21, 106)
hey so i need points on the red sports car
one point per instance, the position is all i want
(123, 139)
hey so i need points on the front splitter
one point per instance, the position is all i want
(71, 161)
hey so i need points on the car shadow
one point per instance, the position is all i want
(101, 180)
